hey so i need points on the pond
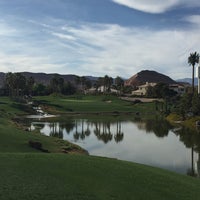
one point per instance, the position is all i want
(152, 142)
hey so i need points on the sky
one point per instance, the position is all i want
(99, 37)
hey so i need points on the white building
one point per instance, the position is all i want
(142, 89)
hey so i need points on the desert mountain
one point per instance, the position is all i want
(148, 76)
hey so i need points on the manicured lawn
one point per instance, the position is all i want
(56, 176)
(92, 104)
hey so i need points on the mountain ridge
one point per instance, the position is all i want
(150, 76)
(141, 78)
(188, 80)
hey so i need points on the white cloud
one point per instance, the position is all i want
(99, 49)
(116, 50)
(63, 36)
(20, 63)
(194, 19)
(156, 6)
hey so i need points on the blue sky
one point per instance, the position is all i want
(99, 37)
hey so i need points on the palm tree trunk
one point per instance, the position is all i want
(192, 79)
(192, 160)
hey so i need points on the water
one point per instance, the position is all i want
(151, 142)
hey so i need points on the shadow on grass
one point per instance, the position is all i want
(60, 107)
(22, 107)
(3, 103)
(37, 102)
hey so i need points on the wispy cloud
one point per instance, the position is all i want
(156, 6)
(99, 49)
(20, 63)
(56, 44)
(63, 36)
(117, 50)
(193, 19)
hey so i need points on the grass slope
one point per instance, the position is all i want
(14, 139)
(56, 176)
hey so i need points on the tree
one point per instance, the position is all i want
(16, 83)
(108, 81)
(30, 84)
(99, 83)
(83, 82)
(9, 81)
(185, 105)
(119, 82)
(196, 104)
(161, 90)
(20, 84)
(57, 83)
(40, 89)
(193, 59)
(68, 88)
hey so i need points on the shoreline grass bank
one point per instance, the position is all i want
(57, 176)
(14, 137)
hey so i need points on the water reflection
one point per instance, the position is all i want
(152, 141)
(83, 133)
(81, 129)
(158, 126)
(191, 139)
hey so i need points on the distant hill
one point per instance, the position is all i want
(40, 77)
(148, 76)
(45, 78)
(188, 80)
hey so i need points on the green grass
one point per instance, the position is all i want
(92, 104)
(13, 137)
(53, 176)
(26, 173)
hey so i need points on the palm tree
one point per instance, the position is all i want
(57, 83)
(9, 80)
(16, 83)
(192, 60)
(30, 84)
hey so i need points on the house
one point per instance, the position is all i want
(142, 89)
(101, 89)
(180, 89)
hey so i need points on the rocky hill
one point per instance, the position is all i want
(148, 76)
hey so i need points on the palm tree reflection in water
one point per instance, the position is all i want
(102, 135)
